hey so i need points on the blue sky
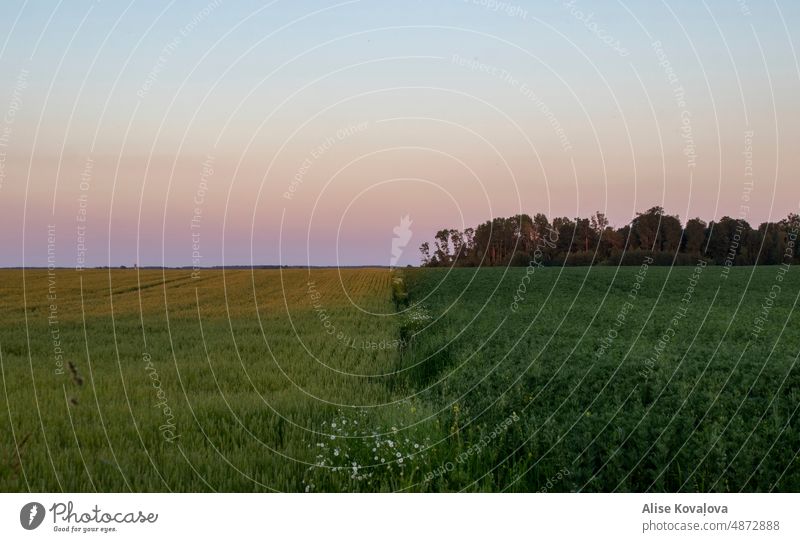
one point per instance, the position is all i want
(147, 90)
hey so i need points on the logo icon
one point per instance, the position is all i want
(31, 515)
(402, 235)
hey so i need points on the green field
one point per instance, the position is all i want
(424, 380)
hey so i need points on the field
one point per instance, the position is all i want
(575, 379)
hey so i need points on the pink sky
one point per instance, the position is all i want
(448, 126)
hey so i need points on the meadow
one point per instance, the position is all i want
(437, 379)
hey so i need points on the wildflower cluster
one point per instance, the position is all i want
(365, 453)
(414, 320)
(418, 314)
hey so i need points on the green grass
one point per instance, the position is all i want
(264, 393)
(716, 411)
(250, 384)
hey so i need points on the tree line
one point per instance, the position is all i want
(522, 239)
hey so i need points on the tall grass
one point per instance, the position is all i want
(363, 380)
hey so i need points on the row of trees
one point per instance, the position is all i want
(517, 240)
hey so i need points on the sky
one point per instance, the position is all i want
(302, 132)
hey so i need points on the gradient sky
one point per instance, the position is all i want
(142, 115)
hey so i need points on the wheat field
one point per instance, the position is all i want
(378, 380)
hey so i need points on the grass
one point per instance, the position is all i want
(710, 407)
(361, 380)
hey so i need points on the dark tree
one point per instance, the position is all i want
(669, 234)
(425, 249)
(584, 241)
(645, 229)
(694, 236)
